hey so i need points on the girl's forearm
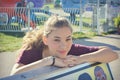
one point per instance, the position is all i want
(103, 55)
(41, 63)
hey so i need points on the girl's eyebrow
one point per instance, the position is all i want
(69, 36)
(56, 37)
(66, 37)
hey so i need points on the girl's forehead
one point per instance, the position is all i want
(63, 32)
(62, 29)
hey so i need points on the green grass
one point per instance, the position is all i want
(79, 35)
(10, 41)
(87, 20)
(51, 5)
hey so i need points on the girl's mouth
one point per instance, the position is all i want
(62, 52)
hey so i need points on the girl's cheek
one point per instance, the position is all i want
(55, 45)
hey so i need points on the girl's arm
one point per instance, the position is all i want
(19, 68)
(104, 54)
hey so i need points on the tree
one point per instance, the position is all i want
(117, 23)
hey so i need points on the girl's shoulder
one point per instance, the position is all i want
(83, 46)
(29, 56)
(78, 49)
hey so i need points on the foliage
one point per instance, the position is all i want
(117, 21)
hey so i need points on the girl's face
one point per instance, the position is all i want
(59, 42)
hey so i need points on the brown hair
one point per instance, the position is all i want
(33, 39)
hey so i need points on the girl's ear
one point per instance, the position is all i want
(44, 40)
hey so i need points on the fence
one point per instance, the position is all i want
(25, 19)
(21, 19)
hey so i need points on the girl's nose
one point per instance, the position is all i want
(63, 45)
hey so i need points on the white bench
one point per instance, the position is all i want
(86, 71)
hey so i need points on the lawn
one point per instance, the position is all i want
(11, 41)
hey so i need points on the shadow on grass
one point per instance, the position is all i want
(15, 34)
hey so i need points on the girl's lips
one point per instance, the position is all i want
(62, 52)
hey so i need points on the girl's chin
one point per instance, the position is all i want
(62, 56)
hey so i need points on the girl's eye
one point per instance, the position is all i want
(68, 39)
(57, 40)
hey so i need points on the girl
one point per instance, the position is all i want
(53, 46)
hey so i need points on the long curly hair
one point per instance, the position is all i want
(33, 39)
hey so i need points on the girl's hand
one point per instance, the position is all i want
(59, 62)
(69, 61)
(72, 60)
